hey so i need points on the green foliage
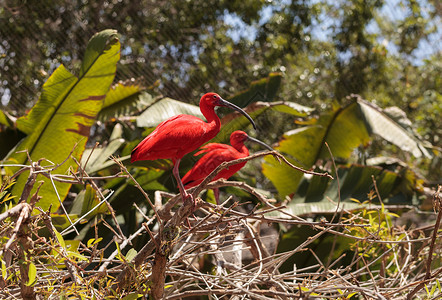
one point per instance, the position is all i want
(265, 89)
(86, 202)
(60, 122)
(123, 99)
(5, 187)
(344, 129)
(164, 109)
(5, 119)
(380, 223)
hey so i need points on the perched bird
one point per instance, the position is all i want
(215, 154)
(179, 135)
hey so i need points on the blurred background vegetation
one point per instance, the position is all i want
(386, 51)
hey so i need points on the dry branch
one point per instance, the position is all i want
(437, 204)
(224, 252)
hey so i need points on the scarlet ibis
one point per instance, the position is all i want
(179, 135)
(215, 154)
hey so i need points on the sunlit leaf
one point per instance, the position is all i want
(124, 98)
(92, 242)
(4, 273)
(301, 146)
(132, 296)
(74, 254)
(264, 90)
(164, 109)
(60, 239)
(379, 123)
(120, 256)
(32, 274)
(6, 119)
(131, 254)
(64, 114)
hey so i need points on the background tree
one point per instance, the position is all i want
(386, 51)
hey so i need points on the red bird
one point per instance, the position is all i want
(216, 154)
(179, 135)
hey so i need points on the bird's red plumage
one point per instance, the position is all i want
(174, 138)
(182, 134)
(216, 154)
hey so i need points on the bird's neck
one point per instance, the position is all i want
(241, 148)
(211, 117)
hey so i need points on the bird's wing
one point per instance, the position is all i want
(183, 131)
(173, 137)
(213, 147)
(210, 161)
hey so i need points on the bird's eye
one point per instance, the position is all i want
(214, 97)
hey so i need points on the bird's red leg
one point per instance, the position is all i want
(183, 192)
(176, 174)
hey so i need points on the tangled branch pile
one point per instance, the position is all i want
(231, 250)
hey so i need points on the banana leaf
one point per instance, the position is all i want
(164, 109)
(236, 121)
(264, 90)
(123, 99)
(343, 129)
(61, 119)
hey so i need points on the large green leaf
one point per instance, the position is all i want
(341, 129)
(164, 109)
(65, 112)
(343, 132)
(263, 90)
(299, 146)
(236, 121)
(321, 194)
(124, 98)
(381, 124)
(6, 119)
(344, 129)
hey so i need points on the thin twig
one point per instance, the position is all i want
(119, 163)
(438, 204)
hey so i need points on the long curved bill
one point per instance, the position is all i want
(226, 103)
(259, 142)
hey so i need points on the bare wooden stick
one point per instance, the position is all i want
(428, 276)
(69, 265)
(228, 164)
(119, 163)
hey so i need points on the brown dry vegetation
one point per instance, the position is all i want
(226, 253)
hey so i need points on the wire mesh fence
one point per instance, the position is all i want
(186, 47)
